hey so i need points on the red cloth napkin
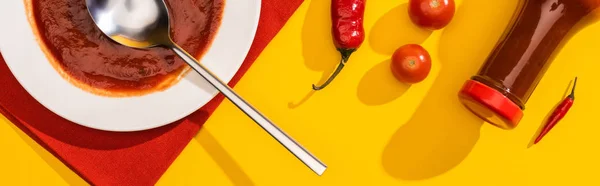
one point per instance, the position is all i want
(135, 158)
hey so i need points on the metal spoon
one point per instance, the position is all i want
(145, 23)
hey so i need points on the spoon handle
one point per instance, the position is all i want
(294, 147)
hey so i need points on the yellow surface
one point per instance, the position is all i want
(367, 127)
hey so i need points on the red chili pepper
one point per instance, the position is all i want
(558, 113)
(347, 29)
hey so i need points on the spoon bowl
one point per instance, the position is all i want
(145, 23)
(133, 23)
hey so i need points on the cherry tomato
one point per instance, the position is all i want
(411, 63)
(431, 14)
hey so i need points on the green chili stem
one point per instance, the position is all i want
(335, 73)
(345, 56)
(572, 95)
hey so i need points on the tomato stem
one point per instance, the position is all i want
(434, 4)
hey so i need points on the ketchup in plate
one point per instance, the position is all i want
(505, 82)
(87, 58)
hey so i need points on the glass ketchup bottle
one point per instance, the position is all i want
(505, 82)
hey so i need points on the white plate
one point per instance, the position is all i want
(34, 72)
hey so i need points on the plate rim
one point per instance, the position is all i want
(183, 114)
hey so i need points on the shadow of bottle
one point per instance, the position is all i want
(442, 132)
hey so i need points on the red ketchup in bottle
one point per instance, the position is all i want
(501, 88)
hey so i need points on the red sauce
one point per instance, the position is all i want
(90, 60)
(518, 63)
(500, 90)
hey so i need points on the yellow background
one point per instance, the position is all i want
(367, 127)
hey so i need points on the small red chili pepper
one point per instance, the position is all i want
(558, 113)
(347, 29)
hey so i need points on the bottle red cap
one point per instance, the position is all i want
(490, 105)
